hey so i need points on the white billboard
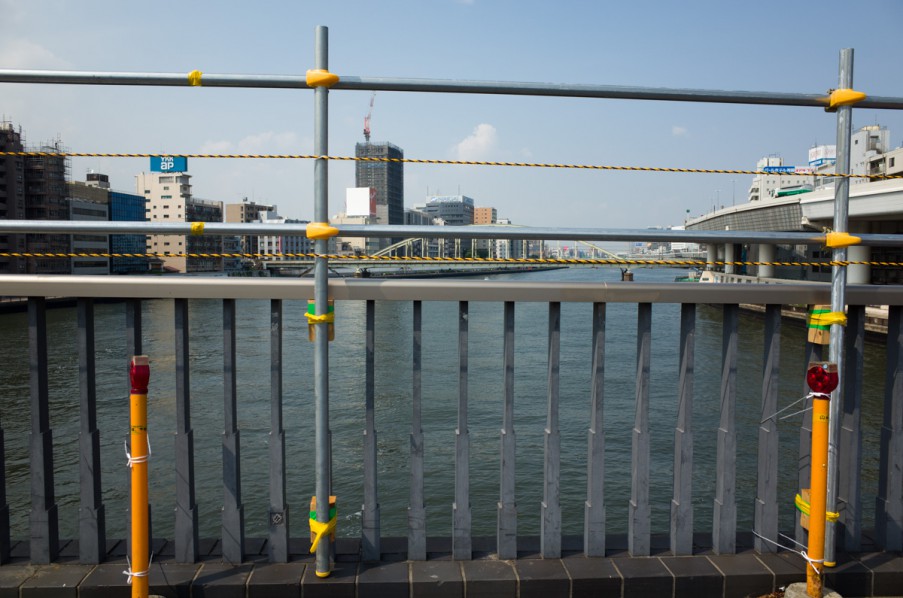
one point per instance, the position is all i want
(360, 201)
(822, 154)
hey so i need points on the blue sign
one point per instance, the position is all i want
(168, 164)
(822, 162)
(780, 169)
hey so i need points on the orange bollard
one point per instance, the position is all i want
(818, 497)
(139, 374)
(822, 379)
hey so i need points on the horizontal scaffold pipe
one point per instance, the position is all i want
(174, 287)
(436, 232)
(819, 100)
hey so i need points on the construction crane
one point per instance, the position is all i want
(367, 119)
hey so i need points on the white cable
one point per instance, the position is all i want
(132, 460)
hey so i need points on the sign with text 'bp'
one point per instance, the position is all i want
(169, 164)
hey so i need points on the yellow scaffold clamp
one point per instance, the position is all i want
(835, 239)
(321, 230)
(321, 78)
(843, 97)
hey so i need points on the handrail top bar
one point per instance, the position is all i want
(819, 100)
(200, 287)
(438, 232)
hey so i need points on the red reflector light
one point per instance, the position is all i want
(822, 377)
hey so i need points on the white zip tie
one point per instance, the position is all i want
(144, 573)
(132, 460)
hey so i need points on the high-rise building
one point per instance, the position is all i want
(45, 199)
(169, 199)
(385, 176)
(12, 197)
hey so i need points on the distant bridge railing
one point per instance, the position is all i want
(647, 297)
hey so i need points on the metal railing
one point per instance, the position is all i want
(321, 81)
(888, 513)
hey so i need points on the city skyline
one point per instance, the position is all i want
(701, 45)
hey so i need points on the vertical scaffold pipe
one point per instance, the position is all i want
(839, 283)
(139, 374)
(321, 303)
(818, 486)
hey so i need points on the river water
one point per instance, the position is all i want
(393, 405)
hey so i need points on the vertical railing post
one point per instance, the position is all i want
(277, 546)
(370, 526)
(724, 527)
(5, 541)
(639, 528)
(682, 501)
(44, 520)
(838, 285)
(417, 510)
(186, 520)
(233, 543)
(91, 521)
(461, 515)
(849, 491)
(506, 531)
(766, 507)
(550, 535)
(889, 502)
(321, 302)
(594, 510)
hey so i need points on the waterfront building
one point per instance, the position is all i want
(384, 176)
(169, 199)
(124, 207)
(245, 212)
(127, 207)
(12, 196)
(275, 246)
(232, 245)
(45, 199)
(483, 217)
(89, 203)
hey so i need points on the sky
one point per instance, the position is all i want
(766, 46)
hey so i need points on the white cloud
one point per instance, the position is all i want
(267, 142)
(22, 54)
(679, 131)
(479, 145)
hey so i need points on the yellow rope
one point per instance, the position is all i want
(460, 260)
(606, 167)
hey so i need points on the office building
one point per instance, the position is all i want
(247, 212)
(384, 176)
(483, 216)
(91, 204)
(169, 199)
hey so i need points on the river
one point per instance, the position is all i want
(393, 405)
